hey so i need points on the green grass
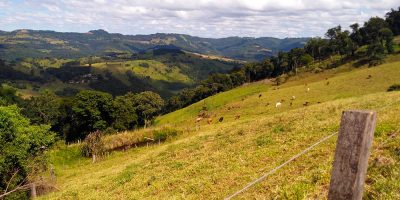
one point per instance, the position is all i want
(213, 161)
(145, 68)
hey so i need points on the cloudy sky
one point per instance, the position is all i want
(206, 18)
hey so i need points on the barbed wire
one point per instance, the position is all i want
(280, 166)
(293, 158)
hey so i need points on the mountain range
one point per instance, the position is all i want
(38, 44)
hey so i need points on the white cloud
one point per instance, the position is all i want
(207, 18)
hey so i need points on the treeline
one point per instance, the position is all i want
(88, 111)
(369, 43)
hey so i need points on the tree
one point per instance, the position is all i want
(356, 35)
(92, 111)
(375, 53)
(8, 96)
(44, 109)
(372, 29)
(148, 104)
(124, 112)
(21, 151)
(387, 38)
(306, 59)
(295, 58)
(316, 47)
(393, 19)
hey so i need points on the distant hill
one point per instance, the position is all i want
(163, 69)
(39, 44)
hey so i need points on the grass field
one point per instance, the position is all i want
(213, 161)
(145, 68)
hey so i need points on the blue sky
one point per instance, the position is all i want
(205, 18)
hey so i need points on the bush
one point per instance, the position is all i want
(93, 145)
(395, 87)
(164, 133)
(22, 147)
(144, 65)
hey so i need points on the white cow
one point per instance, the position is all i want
(278, 104)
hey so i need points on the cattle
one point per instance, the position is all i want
(198, 119)
(278, 105)
(221, 119)
(293, 98)
(259, 96)
(209, 120)
(237, 117)
(306, 103)
(308, 89)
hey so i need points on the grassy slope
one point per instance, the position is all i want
(155, 70)
(218, 159)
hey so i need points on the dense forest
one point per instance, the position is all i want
(28, 127)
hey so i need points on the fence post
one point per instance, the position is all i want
(351, 157)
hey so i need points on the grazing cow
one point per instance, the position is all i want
(237, 117)
(293, 98)
(308, 89)
(221, 119)
(291, 103)
(306, 103)
(327, 83)
(198, 119)
(209, 120)
(278, 104)
(267, 104)
(259, 96)
(318, 102)
(369, 76)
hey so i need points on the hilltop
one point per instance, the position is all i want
(39, 44)
(213, 161)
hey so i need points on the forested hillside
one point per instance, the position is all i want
(39, 44)
(164, 70)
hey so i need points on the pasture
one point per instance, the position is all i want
(212, 161)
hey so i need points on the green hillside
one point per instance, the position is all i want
(213, 161)
(163, 70)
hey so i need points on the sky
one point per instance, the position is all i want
(204, 18)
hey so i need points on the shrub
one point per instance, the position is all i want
(144, 65)
(164, 133)
(93, 145)
(395, 87)
(22, 147)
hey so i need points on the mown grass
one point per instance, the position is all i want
(213, 161)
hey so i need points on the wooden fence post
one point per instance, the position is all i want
(351, 157)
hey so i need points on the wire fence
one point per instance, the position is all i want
(280, 166)
(261, 178)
